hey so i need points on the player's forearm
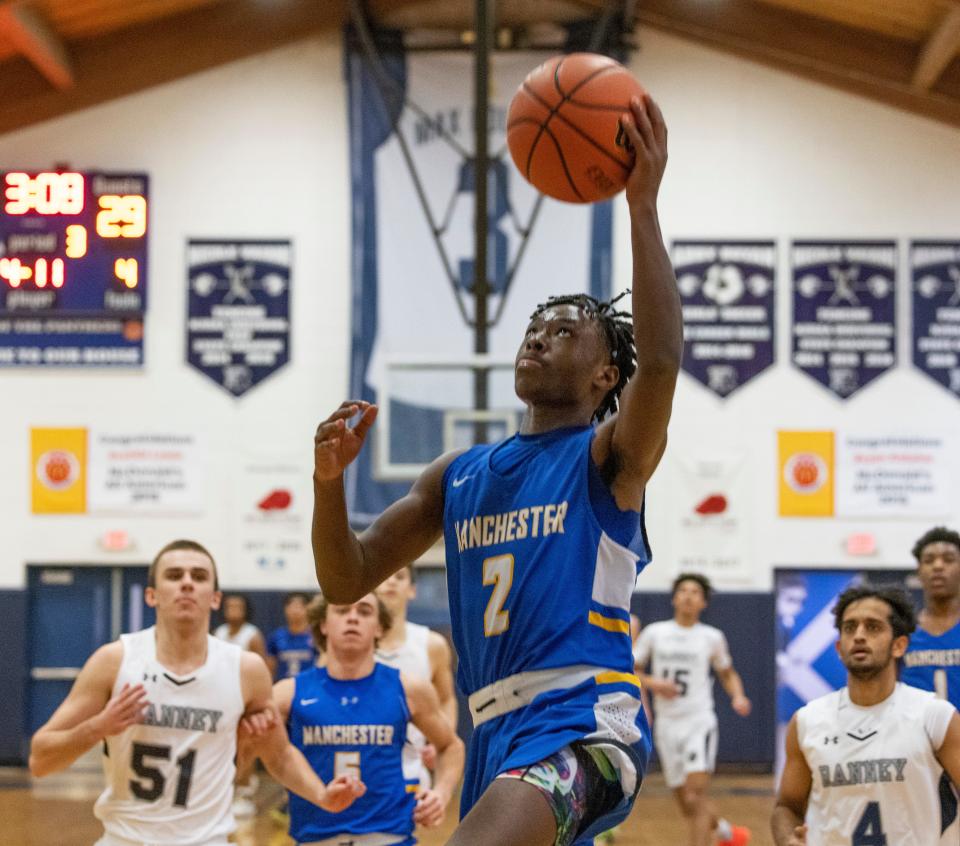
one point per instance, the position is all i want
(337, 553)
(52, 751)
(783, 823)
(732, 684)
(657, 321)
(293, 771)
(450, 710)
(449, 768)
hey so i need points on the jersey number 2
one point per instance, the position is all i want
(150, 787)
(497, 571)
(869, 831)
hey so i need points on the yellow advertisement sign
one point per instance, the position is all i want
(806, 473)
(58, 471)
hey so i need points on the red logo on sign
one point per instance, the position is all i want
(713, 504)
(276, 500)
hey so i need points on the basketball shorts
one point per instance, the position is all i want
(686, 745)
(549, 738)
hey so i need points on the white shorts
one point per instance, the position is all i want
(686, 745)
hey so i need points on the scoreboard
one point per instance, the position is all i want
(73, 268)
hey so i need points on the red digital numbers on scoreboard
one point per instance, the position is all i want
(45, 193)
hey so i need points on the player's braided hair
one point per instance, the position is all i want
(617, 330)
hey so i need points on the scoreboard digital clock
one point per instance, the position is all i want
(73, 267)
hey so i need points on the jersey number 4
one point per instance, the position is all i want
(497, 571)
(152, 780)
(869, 831)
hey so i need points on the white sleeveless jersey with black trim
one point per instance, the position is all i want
(412, 658)
(170, 778)
(876, 778)
(685, 655)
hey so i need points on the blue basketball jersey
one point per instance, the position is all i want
(541, 563)
(932, 663)
(295, 652)
(353, 727)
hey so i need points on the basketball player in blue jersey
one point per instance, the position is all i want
(350, 717)
(166, 703)
(932, 661)
(544, 539)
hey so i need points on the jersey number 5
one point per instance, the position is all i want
(346, 764)
(152, 781)
(497, 571)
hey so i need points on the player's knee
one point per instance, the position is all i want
(692, 799)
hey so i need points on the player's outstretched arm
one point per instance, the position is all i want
(283, 760)
(441, 668)
(632, 443)
(427, 715)
(348, 566)
(88, 714)
(949, 752)
(795, 783)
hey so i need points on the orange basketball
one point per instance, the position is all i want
(563, 127)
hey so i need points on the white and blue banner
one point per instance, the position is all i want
(412, 177)
(935, 288)
(238, 310)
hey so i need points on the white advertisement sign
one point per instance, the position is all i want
(711, 505)
(273, 510)
(895, 475)
(146, 473)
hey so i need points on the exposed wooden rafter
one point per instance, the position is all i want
(940, 49)
(26, 31)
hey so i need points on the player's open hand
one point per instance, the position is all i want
(741, 705)
(122, 711)
(646, 131)
(430, 808)
(259, 723)
(341, 792)
(336, 444)
(799, 836)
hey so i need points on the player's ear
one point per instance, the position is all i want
(606, 377)
(899, 646)
(216, 600)
(150, 597)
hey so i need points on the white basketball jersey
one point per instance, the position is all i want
(246, 633)
(875, 776)
(170, 779)
(412, 658)
(685, 655)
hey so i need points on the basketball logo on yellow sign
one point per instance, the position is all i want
(58, 471)
(806, 474)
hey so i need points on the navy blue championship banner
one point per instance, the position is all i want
(411, 143)
(73, 268)
(844, 316)
(238, 310)
(728, 290)
(935, 289)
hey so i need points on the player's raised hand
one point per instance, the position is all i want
(336, 443)
(646, 131)
(799, 836)
(341, 792)
(430, 808)
(122, 711)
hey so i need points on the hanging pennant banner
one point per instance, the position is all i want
(238, 310)
(844, 317)
(727, 288)
(935, 290)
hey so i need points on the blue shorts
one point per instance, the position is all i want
(604, 711)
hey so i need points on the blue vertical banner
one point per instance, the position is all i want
(935, 293)
(238, 310)
(728, 291)
(844, 314)
(413, 179)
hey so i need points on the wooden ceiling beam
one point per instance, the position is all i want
(129, 60)
(864, 63)
(940, 49)
(25, 29)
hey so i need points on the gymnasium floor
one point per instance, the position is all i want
(58, 812)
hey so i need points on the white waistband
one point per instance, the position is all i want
(520, 689)
(371, 839)
(109, 839)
